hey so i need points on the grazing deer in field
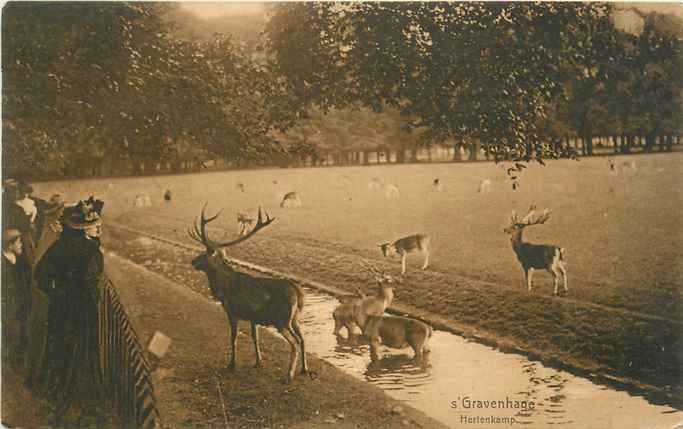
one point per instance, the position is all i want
(484, 186)
(346, 313)
(239, 186)
(628, 166)
(375, 184)
(536, 256)
(392, 192)
(291, 199)
(260, 300)
(611, 163)
(403, 246)
(167, 195)
(242, 221)
(436, 185)
(142, 200)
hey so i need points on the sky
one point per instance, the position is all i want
(208, 10)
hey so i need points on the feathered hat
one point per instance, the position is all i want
(84, 214)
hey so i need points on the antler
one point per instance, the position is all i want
(529, 218)
(199, 233)
(259, 225)
(530, 215)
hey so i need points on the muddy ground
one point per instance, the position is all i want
(194, 389)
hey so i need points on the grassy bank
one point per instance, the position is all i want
(559, 331)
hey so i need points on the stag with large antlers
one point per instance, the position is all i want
(536, 256)
(259, 300)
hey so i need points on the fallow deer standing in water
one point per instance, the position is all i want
(260, 300)
(536, 256)
(346, 313)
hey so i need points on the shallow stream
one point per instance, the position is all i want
(460, 375)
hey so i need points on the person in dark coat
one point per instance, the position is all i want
(69, 274)
(49, 225)
(16, 299)
(90, 339)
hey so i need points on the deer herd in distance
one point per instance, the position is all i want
(278, 302)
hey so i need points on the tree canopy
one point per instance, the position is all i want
(109, 79)
(501, 73)
(123, 81)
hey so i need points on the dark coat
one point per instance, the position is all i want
(69, 273)
(16, 307)
(16, 289)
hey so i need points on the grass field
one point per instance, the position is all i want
(621, 234)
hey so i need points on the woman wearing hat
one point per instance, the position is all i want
(81, 368)
(69, 273)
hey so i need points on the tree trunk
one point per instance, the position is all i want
(649, 143)
(413, 154)
(401, 154)
(457, 156)
(615, 144)
(429, 153)
(669, 143)
(589, 143)
(473, 149)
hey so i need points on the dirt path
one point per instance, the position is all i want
(187, 380)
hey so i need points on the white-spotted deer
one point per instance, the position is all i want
(403, 246)
(291, 199)
(351, 307)
(243, 221)
(375, 184)
(536, 256)
(436, 185)
(391, 192)
(259, 300)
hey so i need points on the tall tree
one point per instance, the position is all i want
(477, 70)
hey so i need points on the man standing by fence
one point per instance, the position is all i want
(16, 299)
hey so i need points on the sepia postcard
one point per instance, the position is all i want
(342, 214)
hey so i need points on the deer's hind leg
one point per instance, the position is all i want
(426, 263)
(289, 335)
(556, 280)
(233, 342)
(254, 336)
(560, 267)
(299, 336)
(528, 274)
